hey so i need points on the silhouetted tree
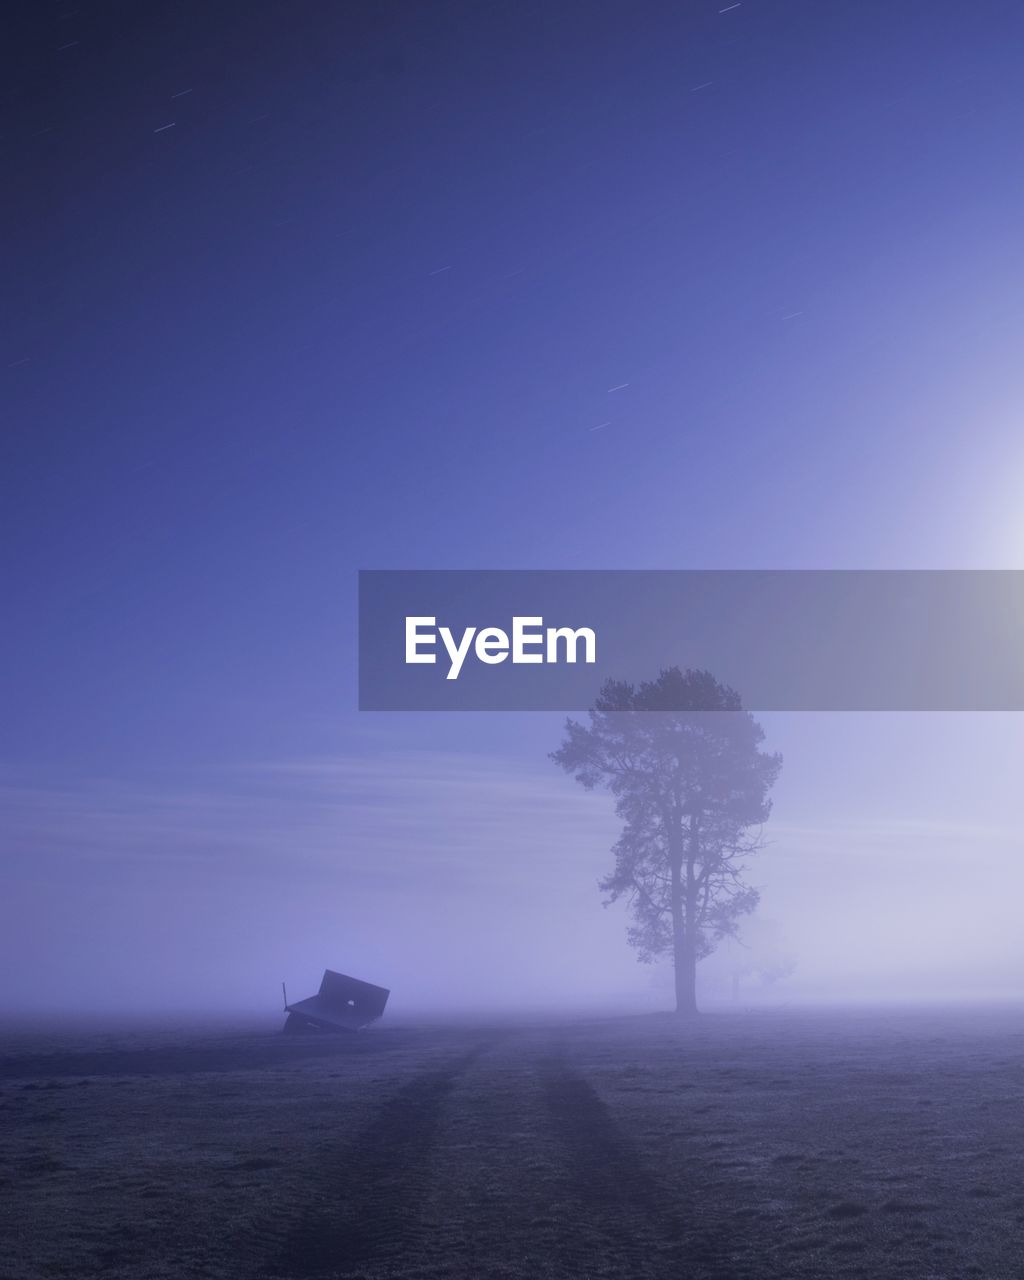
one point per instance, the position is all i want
(682, 759)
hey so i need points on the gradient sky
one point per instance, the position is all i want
(295, 290)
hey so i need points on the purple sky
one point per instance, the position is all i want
(294, 291)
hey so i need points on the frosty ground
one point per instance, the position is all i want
(783, 1144)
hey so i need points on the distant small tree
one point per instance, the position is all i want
(758, 957)
(682, 759)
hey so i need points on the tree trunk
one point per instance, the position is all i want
(684, 956)
(686, 979)
(685, 931)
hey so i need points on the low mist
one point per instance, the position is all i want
(467, 881)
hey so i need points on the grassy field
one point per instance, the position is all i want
(762, 1145)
